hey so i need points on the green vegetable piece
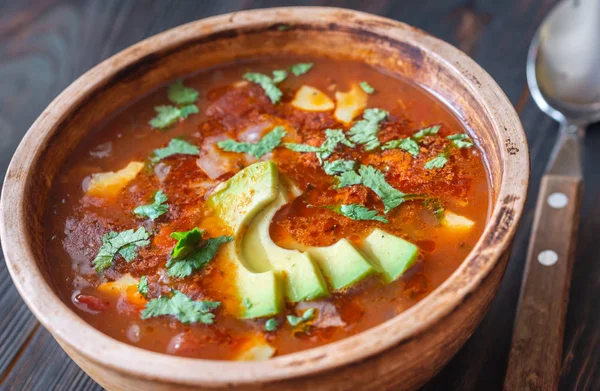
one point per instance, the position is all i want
(358, 212)
(155, 209)
(124, 243)
(165, 116)
(306, 316)
(430, 131)
(391, 255)
(437, 162)
(265, 145)
(279, 76)
(267, 84)
(182, 95)
(301, 68)
(247, 303)
(271, 324)
(186, 242)
(461, 140)
(175, 147)
(181, 307)
(185, 111)
(197, 259)
(407, 144)
(366, 87)
(333, 138)
(339, 166)
(143, 286)
(365, 131)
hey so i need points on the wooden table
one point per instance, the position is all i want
(46, 44)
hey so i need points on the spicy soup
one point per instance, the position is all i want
(263, 208)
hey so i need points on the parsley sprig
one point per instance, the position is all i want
(190, 255)
(155, 209)
(124, 243)
(181, 307)
(265, 145)
(365, 131)
(333, 138)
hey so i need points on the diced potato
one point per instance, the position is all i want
(110, 184)
(454, 221)
(350, 104)
(125, 286)
(257, 349)
(311, 99)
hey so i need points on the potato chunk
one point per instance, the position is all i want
(110, 184)
(311, 99)
(454, 221)
(350, 104)
(256, 349)
(125, 286)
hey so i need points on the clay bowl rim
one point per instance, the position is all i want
(131, 361)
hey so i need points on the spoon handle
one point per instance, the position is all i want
(536, 351)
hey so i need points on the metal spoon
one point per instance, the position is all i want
(563, 73)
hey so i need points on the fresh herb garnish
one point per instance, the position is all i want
(333, 137)
(267, 84)
(366, 87)
(339, 166)
(247, 303)
(365, 131)
(306, 316)
(155, 209)
(461, 140)
(182, 95)
(271, 324)
(143, 286)
(434, 204)
(358, 212)
(375, 180)
(265, 145)
(187, 257)
(437, 162)
(407, 144)
(175, 147)
(279, 75)
(301, 68)
(124, 243)
(430, 131)
(181, 307)
(168, 115)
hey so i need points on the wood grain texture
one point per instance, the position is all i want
(44, 45)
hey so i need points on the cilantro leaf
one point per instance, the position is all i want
(358, 212)
(306, 316)
(185, 111)
(124, 243)
(333, 137)
(339, 166)
(271, 324)
(186, 241)
(365, 131)
(461, 140)
(143, 286)
(435, 205)
(430, 131)
(197, 259)
(247, 303)
(168, 115)
(267, 84)
(374, 180)
(437, 162)
(155, 209)
(407, 144)
(182, 95)
(301, 68)
(265, 145)
(279, 75)
(175, 147)
(181, 307)
(366, 87)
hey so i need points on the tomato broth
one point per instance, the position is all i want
(433, 192)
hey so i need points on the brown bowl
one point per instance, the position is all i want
(401, 353)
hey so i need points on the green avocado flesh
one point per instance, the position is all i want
(268, 274)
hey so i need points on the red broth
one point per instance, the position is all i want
(231, 108)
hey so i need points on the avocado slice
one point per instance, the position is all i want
(236, 202)
(390, 254)
(303, 280)
(341, 263)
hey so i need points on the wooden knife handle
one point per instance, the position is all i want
(536, 350)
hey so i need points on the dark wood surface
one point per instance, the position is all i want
(46, 44)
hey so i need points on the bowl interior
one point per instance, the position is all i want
(388, 45)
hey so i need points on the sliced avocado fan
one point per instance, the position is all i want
(266, 273)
